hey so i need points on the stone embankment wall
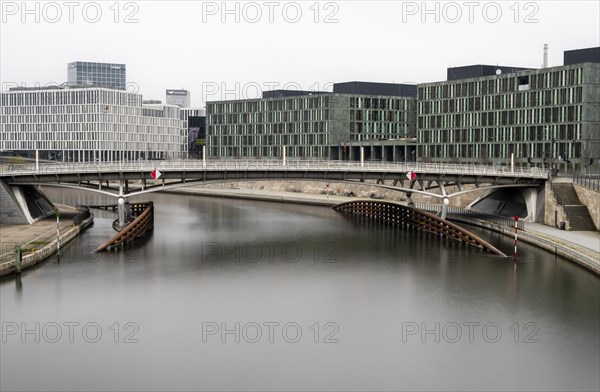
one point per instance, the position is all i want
(554, 213)
(30, 259)
(591, 199)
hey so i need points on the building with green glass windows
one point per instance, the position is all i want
(317, 125)
(545, 117)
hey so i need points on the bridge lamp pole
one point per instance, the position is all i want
(284, 148)
(446, 202)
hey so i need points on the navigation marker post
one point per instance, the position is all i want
(516, 237)
(58, 235)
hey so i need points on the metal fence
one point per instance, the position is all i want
(590, 181)
(290, 165)
(456, 211)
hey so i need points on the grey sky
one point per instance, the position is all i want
(176, 44)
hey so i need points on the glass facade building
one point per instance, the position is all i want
(544, 117)
(80, 73)
(310, 126)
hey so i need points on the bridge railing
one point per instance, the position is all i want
(259, 165)
(502, 221)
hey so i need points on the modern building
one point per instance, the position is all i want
(87, 124)
(194, 121)
(181, 98)
(88, 74)
(317, 125)
(545, 117)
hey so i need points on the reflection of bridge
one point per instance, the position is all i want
(175, 174)
(402, 216)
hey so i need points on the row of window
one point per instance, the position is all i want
(268, 152)
(269, 140)
(278, 128)
(381, 103)
(564, 150)
(537, 133)
(70, 97)
(502, 84)
(93, 136)
(563, 114)
(268, 117)
(505, 101)
(267, 105)
(87, 145)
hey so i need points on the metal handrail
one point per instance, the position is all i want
(309, 165)
(502, 221)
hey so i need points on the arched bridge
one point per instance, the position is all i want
(97, 177)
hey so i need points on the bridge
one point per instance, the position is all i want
(113, 178)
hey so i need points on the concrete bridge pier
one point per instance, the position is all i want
(21, 205)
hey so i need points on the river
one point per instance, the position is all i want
(249, 295)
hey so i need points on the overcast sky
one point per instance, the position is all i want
(196, 45)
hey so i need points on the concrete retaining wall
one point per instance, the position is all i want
(546, 242)
(48, 250)
(591, 199)
(554, 213)
(10, 211)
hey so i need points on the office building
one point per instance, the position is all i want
(545, 117)
(317, 125)
(88, 74)
(88, 124)
(181, 98)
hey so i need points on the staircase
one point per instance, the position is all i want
(577, 214)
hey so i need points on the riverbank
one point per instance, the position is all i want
(39, 240)
(582, 248)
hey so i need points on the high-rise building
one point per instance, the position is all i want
(181, 98)
(87, 74)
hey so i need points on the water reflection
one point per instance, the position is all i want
(200, 268)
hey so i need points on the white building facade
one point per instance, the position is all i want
(89, 125)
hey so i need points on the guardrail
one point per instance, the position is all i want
(316, 165)
(588, 181)
(499, 220)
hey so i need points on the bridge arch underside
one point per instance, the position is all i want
(403, 216)
(433, 186)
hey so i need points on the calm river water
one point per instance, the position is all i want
(244, 295)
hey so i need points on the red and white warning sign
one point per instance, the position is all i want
(411, 175)
(155, 174)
